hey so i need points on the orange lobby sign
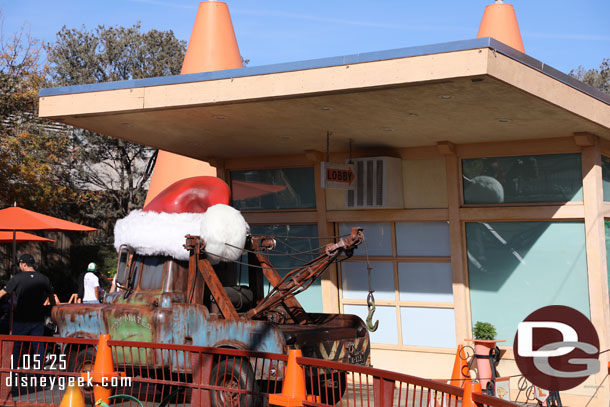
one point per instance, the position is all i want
(338, 176)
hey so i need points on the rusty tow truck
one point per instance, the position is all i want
(164, 300)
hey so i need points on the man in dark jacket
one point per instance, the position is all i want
(32, 289)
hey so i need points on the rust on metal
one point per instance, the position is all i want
(299, 279)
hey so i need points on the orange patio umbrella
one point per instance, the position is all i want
(7, 237)
(15, 219)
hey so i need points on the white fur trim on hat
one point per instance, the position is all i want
(157, 234)
(224, 231)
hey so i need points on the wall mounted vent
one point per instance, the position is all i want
(378, 184)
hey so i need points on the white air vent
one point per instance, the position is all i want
(378, 184)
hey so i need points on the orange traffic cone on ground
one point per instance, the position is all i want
(460, 374)
(500, 22)
(73, 397)
(103, 370)
(293, 390)
(212, 47)
(469, 388)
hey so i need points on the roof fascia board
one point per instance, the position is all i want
(454, 46)
(274, 68)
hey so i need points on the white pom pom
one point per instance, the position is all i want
(224, 231)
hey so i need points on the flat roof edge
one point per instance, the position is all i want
(439, 48)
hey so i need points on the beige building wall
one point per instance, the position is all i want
(424, 186)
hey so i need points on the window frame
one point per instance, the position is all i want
(397, 303)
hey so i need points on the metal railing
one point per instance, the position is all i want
(348, 385)
(37, 371)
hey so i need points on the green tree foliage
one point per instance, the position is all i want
(118, 170)
(113, 54)
(73, 173)
(597, 78)
(35, 156)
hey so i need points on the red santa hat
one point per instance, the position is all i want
(192, 206)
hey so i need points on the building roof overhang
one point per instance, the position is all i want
(463, 92)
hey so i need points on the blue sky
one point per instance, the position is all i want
(563, 34)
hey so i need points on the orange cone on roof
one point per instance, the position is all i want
(500, 22)
(212, 47)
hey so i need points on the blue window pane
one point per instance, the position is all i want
(300, 244)
(355, 280)
(378, 238)
(515, 268)
(534, 178)
(425, 282)
(287, 188)
(428, 327)
(422, 239)
(387, 332)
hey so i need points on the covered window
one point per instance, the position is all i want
(515, 268)
(412, 282)
(533, 178)
(286, 188)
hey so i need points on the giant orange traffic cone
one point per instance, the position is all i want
(500, 22)
(73, 397)
(460, 373)
(293, 390)
(212, 47)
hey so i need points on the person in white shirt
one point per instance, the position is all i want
(91, 284)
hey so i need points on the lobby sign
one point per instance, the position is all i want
(338, 175)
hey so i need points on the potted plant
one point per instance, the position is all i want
(484, 341)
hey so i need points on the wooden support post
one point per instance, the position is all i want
(593, 197)
(461, 299)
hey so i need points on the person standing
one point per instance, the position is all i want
(91, 284)
(32, 288)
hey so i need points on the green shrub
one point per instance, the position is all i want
(484, 331)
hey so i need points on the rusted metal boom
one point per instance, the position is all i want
(196, 245)
(299, 279)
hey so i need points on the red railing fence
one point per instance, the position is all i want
(36, 372)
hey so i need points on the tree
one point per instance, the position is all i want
(118, 170)
(598, 78)
(35, 158)
(113, 54)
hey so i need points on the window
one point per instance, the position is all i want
(152, 272)
(606, 177)
(288, 188)
(412, 282)
(122, 271)
(296, 245)
(515, 268)
(534, 178)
